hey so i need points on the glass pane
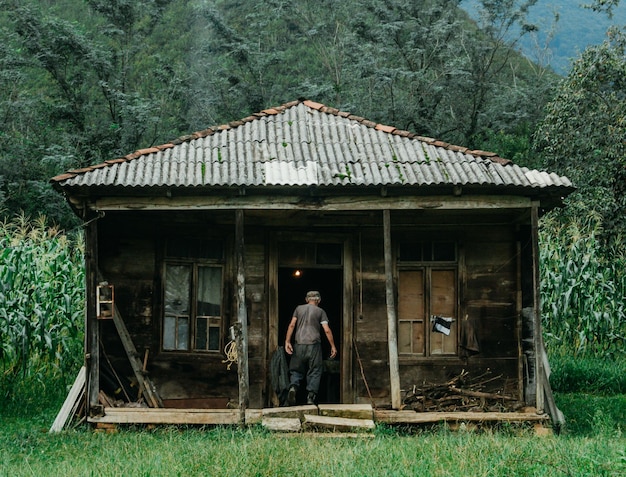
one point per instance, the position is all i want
(214, 338)
(169, 332)
(209, 291)
(444, 252)
(411, 252)
(177, 286)
(201, 333)
(183, 334)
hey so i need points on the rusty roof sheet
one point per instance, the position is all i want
(304, 143)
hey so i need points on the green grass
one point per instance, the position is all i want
(592, 444)
(26, 449)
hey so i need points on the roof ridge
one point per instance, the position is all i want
(272, 111)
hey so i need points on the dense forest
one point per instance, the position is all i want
(86, 81)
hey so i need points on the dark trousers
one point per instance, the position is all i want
(306, 360)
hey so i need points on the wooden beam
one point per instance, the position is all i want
(272, 202)
(145, 384)
(92, 325)
(412, 417)
(347, 390)
(392, 338)
(242, 319)
(537, 339)
(123, 415)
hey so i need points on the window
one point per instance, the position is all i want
(193, 302)
(427, 296)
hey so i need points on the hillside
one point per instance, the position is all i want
(576, 29)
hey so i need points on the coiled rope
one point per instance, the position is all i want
(230, 350)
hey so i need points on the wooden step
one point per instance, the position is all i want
(291, 411)
(282, 424)
(337, 424)
(351, 411)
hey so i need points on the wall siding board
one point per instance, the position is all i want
(488, 279)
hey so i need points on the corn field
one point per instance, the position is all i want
(583, 291)
(41, 301)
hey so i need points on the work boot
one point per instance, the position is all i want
(291, 396)
(311, 398)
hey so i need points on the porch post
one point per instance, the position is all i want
(394, 368)
(92, 326)
(242, 318)
(537, 337)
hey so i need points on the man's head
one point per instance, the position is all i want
(313, 297)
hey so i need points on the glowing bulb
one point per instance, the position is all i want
(297, 273)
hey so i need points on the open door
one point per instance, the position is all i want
(293, 283)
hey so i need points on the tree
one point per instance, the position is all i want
(73, 95)
(583, 133)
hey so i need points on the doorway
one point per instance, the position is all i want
(293, 283)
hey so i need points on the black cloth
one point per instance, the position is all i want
(279, 374)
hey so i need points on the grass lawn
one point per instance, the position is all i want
(595, 446)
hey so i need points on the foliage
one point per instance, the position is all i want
(79, 85)
(82, 82)
(582, 135)
(41, 304)
(583, 290)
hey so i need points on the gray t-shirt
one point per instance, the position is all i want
(309, 321)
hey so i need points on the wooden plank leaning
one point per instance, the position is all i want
(145, 383)
(69, 406)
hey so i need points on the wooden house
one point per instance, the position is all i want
(425, 255)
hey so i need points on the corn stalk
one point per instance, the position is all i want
(41, 299)
(583, 291)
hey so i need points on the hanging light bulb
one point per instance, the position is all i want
(297, 273)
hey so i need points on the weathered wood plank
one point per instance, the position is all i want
(352, 411)
(241, 331)
(167, 416)
(69, 404)
(292, 411)
(392, 334)
(145, 383)
(412, 417)
(282, 424)
(337, 423)
(205, 202)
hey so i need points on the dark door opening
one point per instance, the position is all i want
(292, 288)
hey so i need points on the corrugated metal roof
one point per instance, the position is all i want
(304, 144)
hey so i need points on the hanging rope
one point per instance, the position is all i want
(230, 350)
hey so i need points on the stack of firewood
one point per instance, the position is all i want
(483, 393)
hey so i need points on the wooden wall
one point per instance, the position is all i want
(489, 264)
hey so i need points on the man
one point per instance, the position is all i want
(306, 354)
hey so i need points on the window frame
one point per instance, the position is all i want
(195, 264)
(427, 267)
